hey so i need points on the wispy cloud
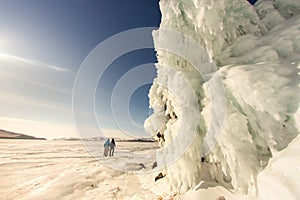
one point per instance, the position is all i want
(18, 79)
(30, 62)
(10, 101)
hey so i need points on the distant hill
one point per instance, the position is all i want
(138, 140)
(81, 139)
(11, 135)
(104, 139)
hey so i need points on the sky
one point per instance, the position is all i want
(42, 47)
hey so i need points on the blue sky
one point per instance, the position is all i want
(42, 45)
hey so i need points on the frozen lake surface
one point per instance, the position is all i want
(33, 169)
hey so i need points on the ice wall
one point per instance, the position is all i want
(226, 95)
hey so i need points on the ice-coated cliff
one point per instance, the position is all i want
(226, 96)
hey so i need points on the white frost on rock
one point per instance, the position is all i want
(254, 52)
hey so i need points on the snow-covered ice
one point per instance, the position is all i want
(33, 169)
(226, 97)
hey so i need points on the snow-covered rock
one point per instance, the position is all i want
(226, 96)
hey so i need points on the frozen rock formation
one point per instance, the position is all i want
(226, 95)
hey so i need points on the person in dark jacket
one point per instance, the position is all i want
(112, 147)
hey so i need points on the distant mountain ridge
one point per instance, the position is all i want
(12, 135)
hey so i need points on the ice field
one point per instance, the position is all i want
(31, 169)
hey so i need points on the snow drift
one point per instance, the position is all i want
(226, 95)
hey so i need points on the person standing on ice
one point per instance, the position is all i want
(112, 147)
(106, 147)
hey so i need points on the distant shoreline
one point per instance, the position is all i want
(104, 139)
(138, 140)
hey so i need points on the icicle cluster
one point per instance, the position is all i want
(223, 108)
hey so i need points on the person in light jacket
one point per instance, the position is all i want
(106, 147)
